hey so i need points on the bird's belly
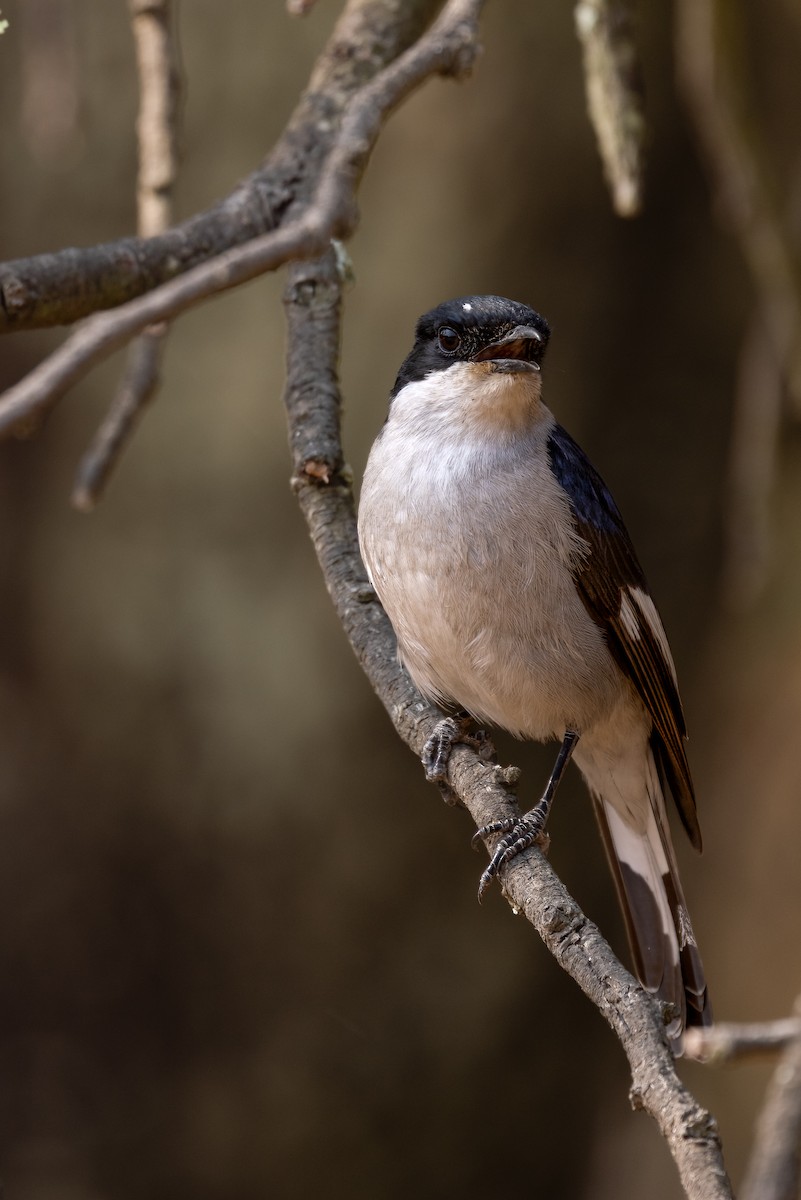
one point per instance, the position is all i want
(496, 627)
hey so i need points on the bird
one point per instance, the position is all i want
(517, 600)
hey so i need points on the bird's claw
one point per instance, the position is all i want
(448, 732)
(519, 833)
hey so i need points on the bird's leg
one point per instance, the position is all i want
(449, 732)
(522, 832)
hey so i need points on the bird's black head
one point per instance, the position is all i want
(510, 336)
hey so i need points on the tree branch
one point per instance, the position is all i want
(325, 495)
(727, 1042)
(137, 387)
(449, 47)
(61, 288)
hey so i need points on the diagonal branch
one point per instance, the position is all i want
(61, 288)
(137, 387)
(325, 494)
(449, 47)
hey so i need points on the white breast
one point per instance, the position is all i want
(470, 543)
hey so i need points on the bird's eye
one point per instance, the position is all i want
(448, 339)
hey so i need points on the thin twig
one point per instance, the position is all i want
(325, 495)
(707, 76)
(774, 1171)
(137, 387)
(613, 84)
(152, 25)
(156, 127)
(727, 1042)
(449, 47)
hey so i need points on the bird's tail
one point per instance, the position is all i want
(662, 942)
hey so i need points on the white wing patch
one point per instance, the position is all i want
(628, 616)
(686, 935)
(638, 609)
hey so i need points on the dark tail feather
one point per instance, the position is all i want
(662, 942)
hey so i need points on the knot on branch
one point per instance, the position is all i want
(16, 298)
(701, 1126)
(507, 777)
(465, 50)
(321, 472)
(307, 292)
(558, 921)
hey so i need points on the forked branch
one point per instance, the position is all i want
(449, 47)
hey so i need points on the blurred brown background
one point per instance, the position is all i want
(240, 953)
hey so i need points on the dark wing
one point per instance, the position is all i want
(612, 586)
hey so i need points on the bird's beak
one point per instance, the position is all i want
(515, 353)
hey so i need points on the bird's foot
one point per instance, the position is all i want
(450, 732)
(529, 830)
(519, 834)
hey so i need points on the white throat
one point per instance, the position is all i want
(470, 399)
